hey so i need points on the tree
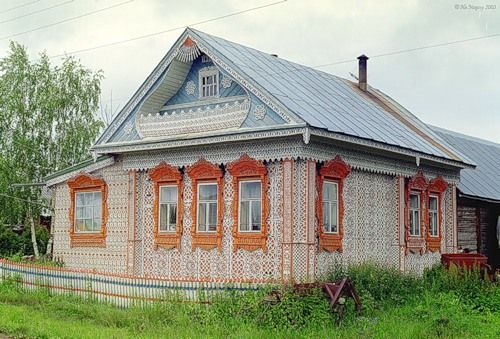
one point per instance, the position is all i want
(47, 122)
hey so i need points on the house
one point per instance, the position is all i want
(478, 203)
(231, 164)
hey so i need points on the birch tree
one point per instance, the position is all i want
(47, 122)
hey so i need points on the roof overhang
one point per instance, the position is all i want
(477, 198)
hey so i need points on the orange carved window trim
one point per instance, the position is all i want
(417, 184)
(163, 175)
(436, 188)
(86, 183)
(205, 172)
(244, 169)
(335, 170)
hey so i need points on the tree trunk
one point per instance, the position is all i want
(33, 231)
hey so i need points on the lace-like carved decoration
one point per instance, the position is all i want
(188, 51)
(335, 170)
(164, 174)
(259, 112)
(128, 127)
(190, 87)
(243, 169)
(437, 186)
(203, 171)
(226, 81)
(418, 183)
(85, 183)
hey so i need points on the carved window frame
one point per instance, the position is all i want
(205, 172)
(84, 182)
(163, 175)
(437, 187)
(249, 169)
(416, 184)
(335, 170)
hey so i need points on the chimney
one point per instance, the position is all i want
(362, 72)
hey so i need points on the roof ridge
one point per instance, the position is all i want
(465, 136)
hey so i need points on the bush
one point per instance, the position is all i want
(12, 244)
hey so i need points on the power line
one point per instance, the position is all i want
(68, 19)
(167, 30)
(402, 51)
(36, 12)
(19, 6)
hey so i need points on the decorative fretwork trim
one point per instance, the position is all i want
(164, 174)
(84, 182)
(88, 169)
(336, 170)
(243, 169)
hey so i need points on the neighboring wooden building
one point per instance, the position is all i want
(230, 164)
(478, 195)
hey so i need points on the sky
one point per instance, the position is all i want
(456, 86)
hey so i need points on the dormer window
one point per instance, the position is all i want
(209, 82)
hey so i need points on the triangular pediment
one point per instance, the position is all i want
(193, 91)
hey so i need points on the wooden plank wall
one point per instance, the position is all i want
(467, 221)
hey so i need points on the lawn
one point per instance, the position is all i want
(395, 306)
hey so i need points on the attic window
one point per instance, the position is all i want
(209, 82)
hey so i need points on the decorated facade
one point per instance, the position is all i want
(230, 164)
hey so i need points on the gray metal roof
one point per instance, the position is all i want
(484, 181)
(326, 101)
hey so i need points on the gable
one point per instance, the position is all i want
(173, 104)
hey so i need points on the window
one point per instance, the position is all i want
(88, 214)
(415, 214)
(433, 216)
(209, 82)
(87, 211)
(330, 203)
(250, 206)
(250, 203)
(207, 207)
(168, 208)
(330, 207)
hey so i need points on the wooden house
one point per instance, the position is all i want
(231, 164)
(478, 203)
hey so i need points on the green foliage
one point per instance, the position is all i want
(437, 305)
(13, 245)
(47, 122)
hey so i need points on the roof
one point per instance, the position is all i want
(484, 181)
(317, 99)
(94, 164)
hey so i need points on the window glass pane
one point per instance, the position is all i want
(80, 199)
(244, 211)
(414, 201)
(163, 217)
(79, 212)
(168, 194)
(433, 202)
(97, 199)
(97, 225)
(88, 199)
(326, 216)
(250, 190)
(333, 216)
(88, 224)
(172, 216)
(208, 192)
(80, 225)
(330, 191)
(97, 212)
(212, 216)
(202, 217)
(256, 216)
(87, 212)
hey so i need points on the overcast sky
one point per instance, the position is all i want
(456, 86)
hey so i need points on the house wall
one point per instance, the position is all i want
(373, 217)
(112, 258)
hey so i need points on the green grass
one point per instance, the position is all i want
(440, 304)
